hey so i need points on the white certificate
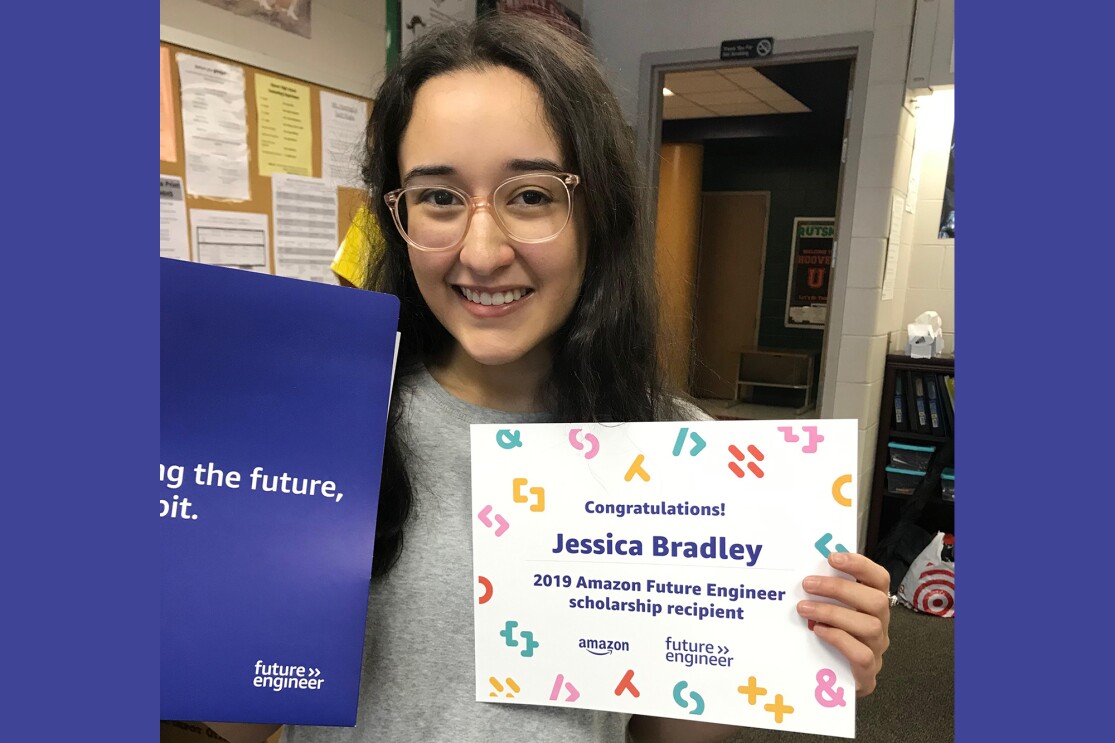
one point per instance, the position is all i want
(655, 568)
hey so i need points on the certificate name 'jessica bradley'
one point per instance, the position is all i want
(654, 568)
(716, 548)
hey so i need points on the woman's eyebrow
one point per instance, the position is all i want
(517, 165)
(533, 166)
(423, 170)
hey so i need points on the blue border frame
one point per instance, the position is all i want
(1033, 309)
(80, 296)
(80, 406)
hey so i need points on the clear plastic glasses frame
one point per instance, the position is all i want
(397, 199)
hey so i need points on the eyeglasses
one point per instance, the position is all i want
(531, 208)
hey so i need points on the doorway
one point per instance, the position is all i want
(742, 147)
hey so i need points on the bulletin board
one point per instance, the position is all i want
(349, 200)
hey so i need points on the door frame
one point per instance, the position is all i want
(653, 67)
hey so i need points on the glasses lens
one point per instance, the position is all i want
(532, 207)
(434, 217)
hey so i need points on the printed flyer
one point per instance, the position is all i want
(654, 568)
(274, 398)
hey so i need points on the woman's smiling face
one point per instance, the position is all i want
(502, 300)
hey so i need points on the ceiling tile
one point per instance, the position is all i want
(689, 112)
(702, 81)
(744, 76)
(743, 109)
(674, 102)
(791, 107)
(773, 95)
(686, 99)
(722, 97)
(733, 91)
(758, 81)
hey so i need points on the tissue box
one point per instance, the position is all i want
(924, 338)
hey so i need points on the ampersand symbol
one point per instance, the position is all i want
(508, 439)
(825, 694)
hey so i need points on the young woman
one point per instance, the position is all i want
(506, 181)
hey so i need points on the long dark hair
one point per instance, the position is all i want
(605, 366)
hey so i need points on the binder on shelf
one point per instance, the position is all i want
(921, 408)
(910, 400)
(901, 421)
(274, 399)
(946, 404)
(936, 414)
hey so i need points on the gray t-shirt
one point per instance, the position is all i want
(418, 682)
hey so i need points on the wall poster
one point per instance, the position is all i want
(807, 292)
(292, 16)
(418, 16)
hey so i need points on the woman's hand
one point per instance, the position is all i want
(859, 627)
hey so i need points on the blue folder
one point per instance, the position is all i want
(265, 579)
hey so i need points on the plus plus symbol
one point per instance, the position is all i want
(778, 708)
(507, 633)
(531, 644)
(752, 690)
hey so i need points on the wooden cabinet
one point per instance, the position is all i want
(901, 489)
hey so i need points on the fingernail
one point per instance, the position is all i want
(812, 583)
(839, 558)
(806, 607)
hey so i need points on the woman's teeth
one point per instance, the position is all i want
(494, 298)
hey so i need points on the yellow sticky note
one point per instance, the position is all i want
(363, 243)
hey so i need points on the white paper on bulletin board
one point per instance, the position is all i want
(342, 139)
(214, 127)
(655, 568)
(174, 234)
(231, 239)
(305, 216)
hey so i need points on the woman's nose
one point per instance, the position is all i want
(486, 248)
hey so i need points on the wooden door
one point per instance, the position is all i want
(678, 229)
(729, 286)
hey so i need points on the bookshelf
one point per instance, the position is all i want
(899, 376)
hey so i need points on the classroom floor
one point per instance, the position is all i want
(732, 409)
